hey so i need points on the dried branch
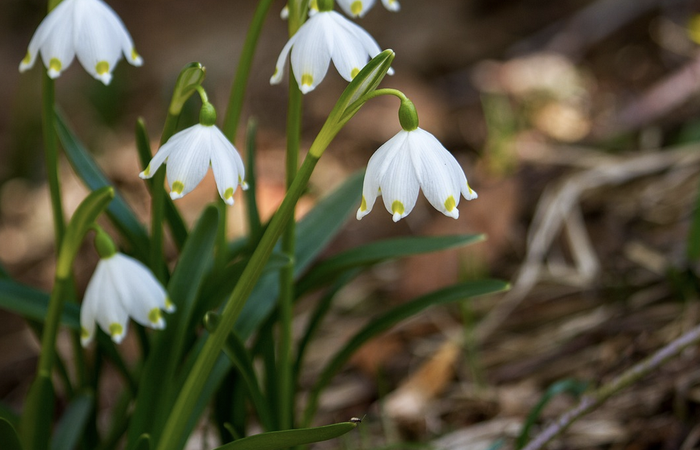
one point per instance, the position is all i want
(591, 401)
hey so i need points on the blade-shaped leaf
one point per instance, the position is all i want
(87, 170)
(376, 252)
(71, 425)
(8, 436)
(278, 440)
(387, 320)
(38, 413)
(33, 304)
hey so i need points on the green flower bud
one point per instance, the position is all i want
(207, 115)
(408, 117)
(104, 244)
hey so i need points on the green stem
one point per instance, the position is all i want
(286, 298)
(51, 155)
(191, 391)
(240, 81)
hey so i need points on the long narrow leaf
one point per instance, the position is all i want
(375, 252)
(70, 427)
(87, 170)
(33, 304)
(278, 440)
(387, 320)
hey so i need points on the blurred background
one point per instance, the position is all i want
(576, 121)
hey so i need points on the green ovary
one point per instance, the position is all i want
(450, 203)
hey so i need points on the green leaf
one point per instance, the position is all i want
(38, 414)
(191, 76)
(166, 354)
(8, 436)
(571, 386)
(278, 440)
(87, 170)
(457, 292)
(3, 272)
(314, 231)
(8, 414)
(254, 224)
(33, 304)
(72, 424)
(375, 252)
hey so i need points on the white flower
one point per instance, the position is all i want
(87, 28)
(189, 154)
(358, 8)
(409, 161)
(121, 287)
(326, 35)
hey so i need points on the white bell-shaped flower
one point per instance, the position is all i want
(326, 36)
(189, 153)
(358, 8)
(120, 288)
(89, 29)
(410, 161)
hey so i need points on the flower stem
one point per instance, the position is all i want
(591, 401)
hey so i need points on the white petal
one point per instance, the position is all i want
(57, 50)
(279, 67)
(376, 168)
(98, 43)
(189, 158)
(111, 315)
(438, 172)
(227, 166)
(91, 301)
(349, 56)
(157, 160)
(311, 53)
(121, 34)
(398, 182)
(391, 5)
(58, 21)
(144, 297)
(284, 14)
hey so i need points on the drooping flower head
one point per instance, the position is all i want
(121, 288)
(326, 36)
(412, 160)
(89, 29)
(189, 153)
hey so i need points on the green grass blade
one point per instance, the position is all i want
(279, 440)
(71, 425)
(375, 252)
(573, 387)
(8, 436)
(87, 170)
(387, 320)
